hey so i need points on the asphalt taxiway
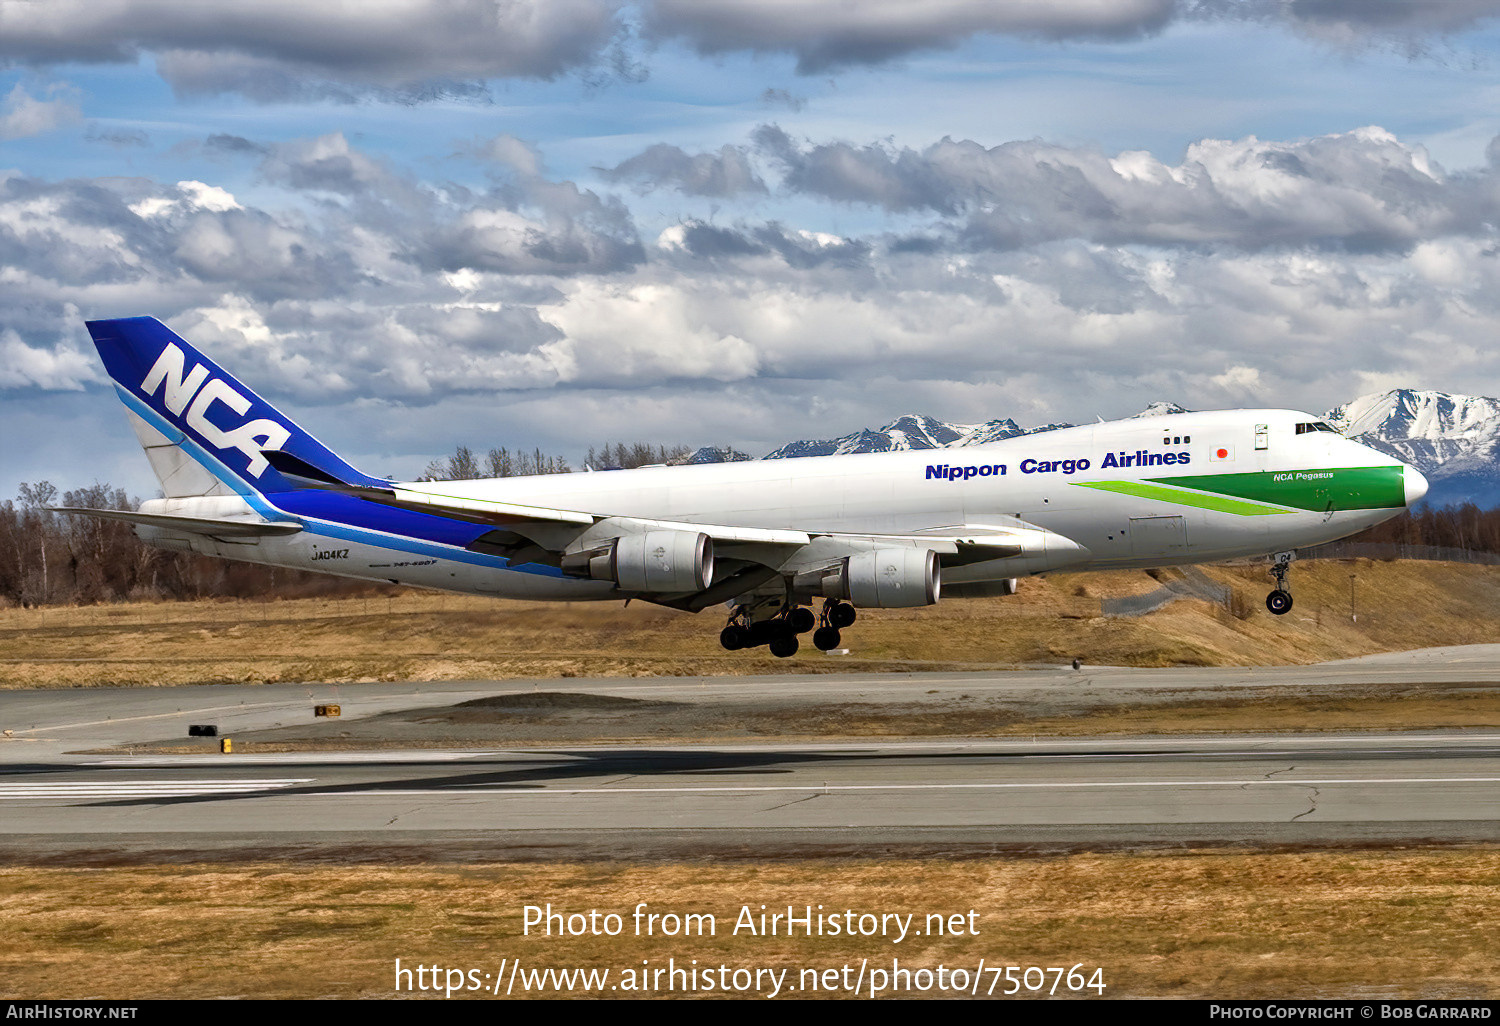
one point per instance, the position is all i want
(72, 790)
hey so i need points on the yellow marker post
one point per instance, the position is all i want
(226, 745)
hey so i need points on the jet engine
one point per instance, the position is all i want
(886, 579)
(656, 561)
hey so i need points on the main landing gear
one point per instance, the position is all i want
(836, 616)
(1280, 600)
(779, 631)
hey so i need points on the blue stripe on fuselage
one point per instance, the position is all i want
(346, 517)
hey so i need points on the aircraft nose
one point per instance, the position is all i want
(1416, 485)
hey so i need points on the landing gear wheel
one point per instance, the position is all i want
(841, 615)
(762, 632)
(733, 637)
(1279, 601)
(784, 646)
(826, 638)
(801, 620)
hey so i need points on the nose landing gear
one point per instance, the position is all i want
(1279, 601)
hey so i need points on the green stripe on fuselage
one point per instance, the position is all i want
(1318, 491)
(1198, 500)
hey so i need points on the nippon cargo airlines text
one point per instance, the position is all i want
(1139, 458)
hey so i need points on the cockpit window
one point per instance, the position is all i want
(1305, 428)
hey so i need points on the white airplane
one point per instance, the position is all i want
(770, 538)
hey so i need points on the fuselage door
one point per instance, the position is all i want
(1158, 536)
(1262, 436)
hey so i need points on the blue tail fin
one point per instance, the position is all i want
(188, 405)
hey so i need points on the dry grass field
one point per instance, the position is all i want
(433, 636)
(1191, 924)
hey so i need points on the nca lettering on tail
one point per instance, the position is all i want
(196, 392)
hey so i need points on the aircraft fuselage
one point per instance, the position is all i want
(1108, 487)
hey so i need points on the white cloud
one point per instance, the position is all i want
(642, 334)
(22, 114)
(189, 196)
(513, 153)
(1362, 189)
(532, 297)
(1239, 379)
(726, 173)
(465, 279)
(208, 197)
(60, 369)
(326, 163)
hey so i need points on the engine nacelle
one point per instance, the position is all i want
(887, 579)
(657, 561)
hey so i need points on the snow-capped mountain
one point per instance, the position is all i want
(713, 454)
(918, 431)
(1159, 409)
(913, 431)
(1453, 439)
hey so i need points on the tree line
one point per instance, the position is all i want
(63, 559)
(466, 465)
(1464, 526)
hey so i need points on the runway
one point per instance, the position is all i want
(711, 800)
(43, 723)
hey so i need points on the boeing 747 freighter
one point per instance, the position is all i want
(790, 546)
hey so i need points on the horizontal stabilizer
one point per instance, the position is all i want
(190, 525)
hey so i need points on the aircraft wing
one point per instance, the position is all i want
(210, 526)
(787, 551)
(749, 557)
(752, 556)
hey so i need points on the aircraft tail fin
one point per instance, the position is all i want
(204, 432)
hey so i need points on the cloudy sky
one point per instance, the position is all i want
(555, 223)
